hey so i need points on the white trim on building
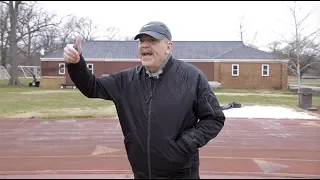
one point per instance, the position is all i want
(187, 60)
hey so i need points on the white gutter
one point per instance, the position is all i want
(186, 60)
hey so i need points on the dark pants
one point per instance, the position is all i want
(192, 173)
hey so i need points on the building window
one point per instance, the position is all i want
(235, 69)
(265, 69)
(62, 68)
(90, 67)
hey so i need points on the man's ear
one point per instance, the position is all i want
(169, 47)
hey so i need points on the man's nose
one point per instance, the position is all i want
(145, 44)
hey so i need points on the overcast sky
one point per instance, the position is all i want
(195, 21)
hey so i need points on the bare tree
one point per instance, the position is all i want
(274, 47)
(241, 28)
(54, 38)
(242, 31)
(13, 14)
(32, 21)
(4, 33)
(301, 49)
(86, 28)
(73, 26)
(31, 30)
(128, 38)
(49, 39)
(306, 59)
(67, 31)
(111, 33)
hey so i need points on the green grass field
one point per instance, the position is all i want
(51, 103)
(27, 102)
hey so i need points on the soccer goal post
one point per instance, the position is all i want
(29, 71)
(4, 73)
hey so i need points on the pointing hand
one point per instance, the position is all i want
(72, 51)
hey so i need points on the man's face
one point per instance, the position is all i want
(153, 52)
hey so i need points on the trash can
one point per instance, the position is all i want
(305, 98)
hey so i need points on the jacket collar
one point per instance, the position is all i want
(164, 67)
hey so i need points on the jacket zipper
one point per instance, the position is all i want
(149, 125)
(149, 137)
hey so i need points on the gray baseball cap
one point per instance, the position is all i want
(155, 29)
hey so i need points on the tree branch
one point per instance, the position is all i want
(315, 62)
(293, 70)
(34, 30)
(301, 22)
(4, 2)
(17, 4)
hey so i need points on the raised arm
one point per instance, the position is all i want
(91, 86)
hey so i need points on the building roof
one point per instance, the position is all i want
(246, 52)
(181, 50)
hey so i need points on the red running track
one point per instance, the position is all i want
(265, 148)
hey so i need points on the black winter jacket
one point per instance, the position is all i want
(164, 123)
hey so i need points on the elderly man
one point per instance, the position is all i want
(166, 107)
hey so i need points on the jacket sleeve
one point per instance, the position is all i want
(106, 87)
(211, 119)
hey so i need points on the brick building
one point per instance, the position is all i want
(230, 63)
